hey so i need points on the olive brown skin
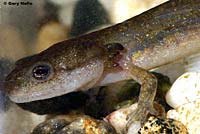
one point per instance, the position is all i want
(156, 37)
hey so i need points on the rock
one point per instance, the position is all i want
(118, 119)
(50, 127)
(133, 129)
(162, 126)
(81, 125)
(189, 115)
(184, 90)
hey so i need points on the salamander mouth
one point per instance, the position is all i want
(56, 105)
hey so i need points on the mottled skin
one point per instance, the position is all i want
(161, 35)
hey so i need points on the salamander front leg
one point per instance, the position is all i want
(148, 84)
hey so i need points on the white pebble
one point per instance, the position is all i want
(189, 115)
(134, 127)
(184, 90)
(118, 119)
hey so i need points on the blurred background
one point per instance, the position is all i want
(31, 28)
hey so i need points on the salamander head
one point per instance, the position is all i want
(61, 69)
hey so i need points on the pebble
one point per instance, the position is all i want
(184, 90)
(81, 125)
(162, 126)
(118, 119)
(184, 97)
(189, 115)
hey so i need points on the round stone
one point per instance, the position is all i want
(184, 90)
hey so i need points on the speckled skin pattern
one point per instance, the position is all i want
(156, 37)
(160, 30)
(161, 35)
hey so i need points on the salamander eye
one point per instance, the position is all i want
(41, 72)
